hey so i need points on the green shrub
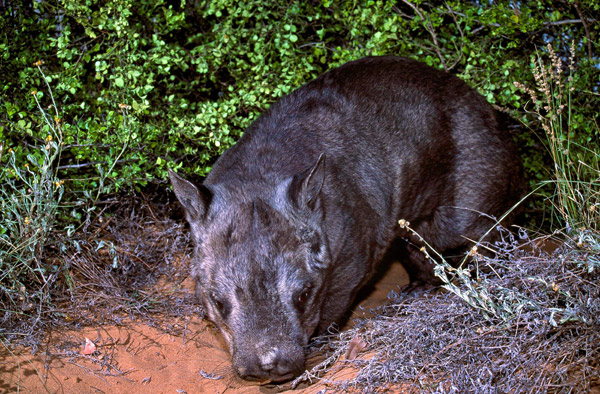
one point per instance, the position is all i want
(194, 75)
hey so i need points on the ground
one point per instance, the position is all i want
(126, 321)
(138, 358)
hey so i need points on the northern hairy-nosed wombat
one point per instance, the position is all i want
(293, 219)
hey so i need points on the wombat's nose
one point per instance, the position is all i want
(269, 359)
(273, 366)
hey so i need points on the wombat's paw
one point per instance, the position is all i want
(356, 345)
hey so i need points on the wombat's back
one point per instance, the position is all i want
(388, 123)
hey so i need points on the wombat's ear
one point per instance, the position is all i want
(195, 200)
(305, 187)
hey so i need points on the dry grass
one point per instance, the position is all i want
(439, 343)
(128, 264)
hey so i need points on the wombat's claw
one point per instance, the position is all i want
(356, 345)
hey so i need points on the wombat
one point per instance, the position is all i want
(293, 219)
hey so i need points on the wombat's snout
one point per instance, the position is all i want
(272, 365)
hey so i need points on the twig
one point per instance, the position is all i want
(82, 165)
(586, 28)
(211, 376)
(430, 30)
(462, 38)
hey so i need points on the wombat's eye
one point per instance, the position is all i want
(301, 298)
(221, 305)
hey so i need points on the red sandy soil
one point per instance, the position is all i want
(137, 358)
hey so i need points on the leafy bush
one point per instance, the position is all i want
(194, 75)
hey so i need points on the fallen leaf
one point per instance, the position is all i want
(89, 347)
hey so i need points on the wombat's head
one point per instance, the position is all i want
(259, 266)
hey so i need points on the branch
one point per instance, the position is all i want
(462, 38)
(92, 163)
(587, 30)
(583, 20)
(430, 30)
(572, 21)
(82, 165)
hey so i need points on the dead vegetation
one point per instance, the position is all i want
(527, 321)
(543, 336)
(128, 263)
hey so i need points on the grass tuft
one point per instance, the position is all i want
(29, 200)
(576, 168)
